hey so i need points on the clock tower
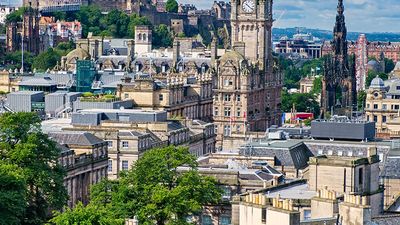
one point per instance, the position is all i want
(251, 22)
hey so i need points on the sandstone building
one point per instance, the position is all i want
(84, 158)
(247, 86)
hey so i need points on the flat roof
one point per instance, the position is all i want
(55, 125)
(296, 191)
(120, 111)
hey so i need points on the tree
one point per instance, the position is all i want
(302, 102)
(136, 20)
(164, 195)
(90, 215)
(46, 60)
(12, 194)
(171, 6)
(23, 145)
(153, 190)
(162, 37)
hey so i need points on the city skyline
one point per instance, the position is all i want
(361, 15)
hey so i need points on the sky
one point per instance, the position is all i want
(361, 15)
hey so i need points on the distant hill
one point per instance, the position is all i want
(327, 35)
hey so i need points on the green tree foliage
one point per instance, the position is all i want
(15, 16)
(23, 145)
(12, 194)
(163, 194)
(162, 37)
(46, 60)
(372, 74)
(153, 190)
(302, 102)
(389, 65)
(136, 20)
(172, 6)
(89, 215)
(292, 74)
(13, 60)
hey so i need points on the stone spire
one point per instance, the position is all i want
(340, 34)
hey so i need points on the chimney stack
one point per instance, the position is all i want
(175, 52)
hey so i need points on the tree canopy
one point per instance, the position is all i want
(153, 190)
(303, 102)
(30, 162)
(171, 6)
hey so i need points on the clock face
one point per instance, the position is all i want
(248, 6)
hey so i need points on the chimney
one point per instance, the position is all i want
(175, 52)
(282, 212)
(240, 47)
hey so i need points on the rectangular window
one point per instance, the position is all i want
(227, 111)
(227, 97)
(126, 95)
(238, 112)
(225, 220)
(384, 119)
(375, 119)
(375, 106)
(367, 106)
(307, 214)
(206, 220)
(238, 98)
(216, 111)
(226, 192)
(238, 128)
(384, 106)
(161, 97)
(396, 107)
(125, 165)
(125, 144)
(110, 165)
(227, 130)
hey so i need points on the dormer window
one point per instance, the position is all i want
(163, 68)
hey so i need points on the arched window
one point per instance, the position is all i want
(144, 37)
(140, 36)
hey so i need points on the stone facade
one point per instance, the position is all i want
(247, 86)
(84, 158)
(26, 33)
(127, 141)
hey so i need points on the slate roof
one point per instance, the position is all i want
(386, 220)
(287, 153)
(391, 168)
(75, 138)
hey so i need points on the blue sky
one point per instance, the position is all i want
(361, 15)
